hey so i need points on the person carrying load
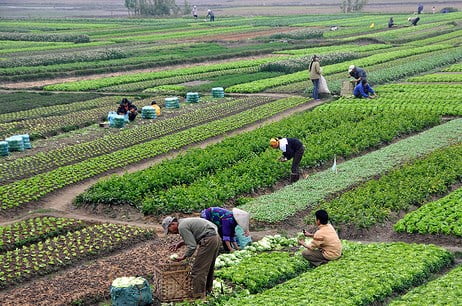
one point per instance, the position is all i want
(197, 234)
(291, 148)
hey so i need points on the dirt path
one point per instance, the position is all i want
(60, 204)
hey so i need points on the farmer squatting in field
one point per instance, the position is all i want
(326, 245)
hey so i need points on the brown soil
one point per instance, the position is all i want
(66, 285)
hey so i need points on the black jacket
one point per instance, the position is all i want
(123, 110)
(358, 73)
(293, 145)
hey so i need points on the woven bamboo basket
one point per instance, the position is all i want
(172, 282)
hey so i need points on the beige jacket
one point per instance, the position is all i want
(326, 239)
(315, 72)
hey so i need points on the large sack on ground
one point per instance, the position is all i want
(131, 291)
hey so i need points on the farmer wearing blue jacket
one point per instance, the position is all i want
(291, 148)
(363, 90)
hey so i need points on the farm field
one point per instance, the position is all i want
(82, 206)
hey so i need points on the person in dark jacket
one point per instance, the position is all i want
(291, 148)
(127, 107)
(413, 20)
(357, 73)
(363, 90)
(420, 8)
(391, 22)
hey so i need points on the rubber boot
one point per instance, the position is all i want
(294, 177)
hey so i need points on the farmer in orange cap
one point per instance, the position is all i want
(291, 148)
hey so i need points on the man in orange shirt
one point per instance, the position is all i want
(325, 245)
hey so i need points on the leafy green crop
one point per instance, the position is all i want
(439, 217)
(363, 275)
(306, 194)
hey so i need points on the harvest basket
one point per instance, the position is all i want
(172, 282)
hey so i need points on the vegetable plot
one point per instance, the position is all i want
(439, 217)
(446, 290)
(36, 229)
(33, 188)
(412, 184)
(307, 193)
(55, 253)
(363, 275)
(264, 270)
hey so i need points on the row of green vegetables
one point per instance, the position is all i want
(45, 126)
(412, 184)
(446, 38)
(445, 290)
(258, 86)
(443, 99)
(140, 86)
(386, 72)
(247, 163)
(36, 229)
(58, 109)
(175, 54)
(12, 102)
(180, 120)
(308, 193)
(408, 34)
(365, 274)
(438, 77)
(454, 68)
(33, 188)
(439, 217)
(145, 76)
(50, 255)
(217, 81)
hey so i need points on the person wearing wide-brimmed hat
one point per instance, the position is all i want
(200, 234)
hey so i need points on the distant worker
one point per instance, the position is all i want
(372, 25)
(194, 12)
(315, 75)
(413, 20)
(420, 8)
(357, 73)
(391, 23)
(291, 148)
(364, 90)
(433, 10)
(326, 245)
(126, 107)
(197, 234)
(226, 223)
(156, 107)
(210, 15)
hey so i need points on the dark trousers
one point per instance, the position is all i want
(204, 265)
(315, 88)
(314, 257)
(296, 161)
(132, 116)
